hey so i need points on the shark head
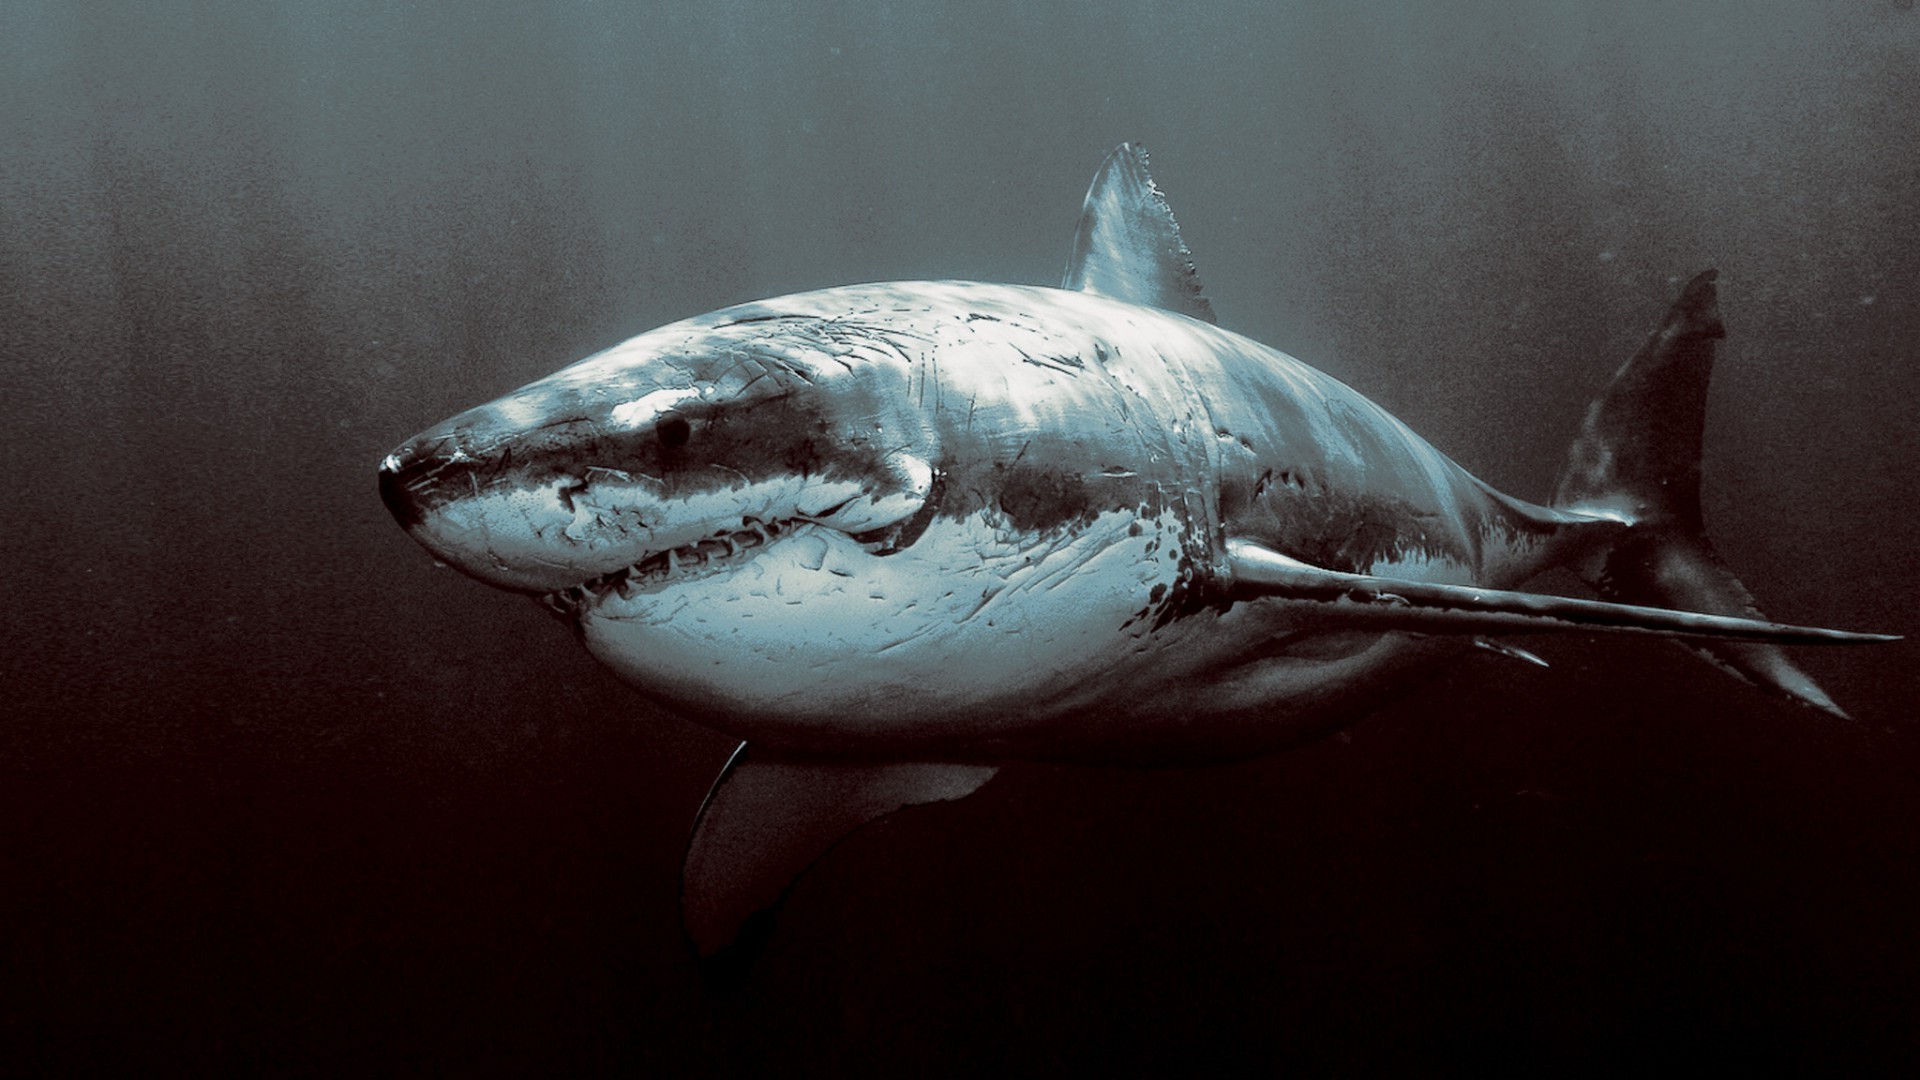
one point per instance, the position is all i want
(641, 479)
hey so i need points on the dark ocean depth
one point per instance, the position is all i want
(277, 796)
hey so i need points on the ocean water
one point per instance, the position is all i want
(278, 795)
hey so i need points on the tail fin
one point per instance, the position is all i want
(1637, 460)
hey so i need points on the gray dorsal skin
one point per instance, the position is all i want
(766, 820)
(1128, 246)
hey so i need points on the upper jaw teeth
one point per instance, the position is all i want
(663, 564)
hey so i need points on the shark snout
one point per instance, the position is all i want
(490, 508)
(405, 473)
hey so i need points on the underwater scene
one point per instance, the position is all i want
(283, 789)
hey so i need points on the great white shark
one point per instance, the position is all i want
(893, 535)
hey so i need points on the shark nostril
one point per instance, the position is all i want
(393, 492)
(400, 475)
(412, 477)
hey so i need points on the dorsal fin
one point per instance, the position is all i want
(1128, 246)
(767, 819)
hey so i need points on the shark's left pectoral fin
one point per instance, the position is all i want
(1424, 607)
(1128, 246)
(767, 819)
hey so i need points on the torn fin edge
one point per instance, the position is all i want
(1128, 246)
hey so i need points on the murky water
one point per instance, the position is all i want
(285, 797)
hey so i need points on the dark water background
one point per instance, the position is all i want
(277, 796)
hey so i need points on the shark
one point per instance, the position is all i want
(894, 536)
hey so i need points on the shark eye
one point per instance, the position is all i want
(673, 431)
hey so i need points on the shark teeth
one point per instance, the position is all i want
(662, 565)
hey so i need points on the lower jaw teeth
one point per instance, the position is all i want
(662, 566)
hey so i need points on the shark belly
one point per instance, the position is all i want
(951, 641)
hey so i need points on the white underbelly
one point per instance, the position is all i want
(973, 627)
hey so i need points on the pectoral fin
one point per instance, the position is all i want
(1425, 607)
(767, 820)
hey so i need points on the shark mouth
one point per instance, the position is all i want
(726, 549)
(720, 552)
(660, 567)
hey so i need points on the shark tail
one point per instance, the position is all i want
(1637, 461)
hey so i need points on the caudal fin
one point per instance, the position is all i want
(1637, 461)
